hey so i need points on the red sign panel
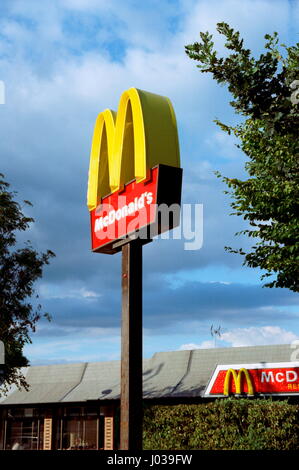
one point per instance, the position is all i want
(268, 379)
(136, 208)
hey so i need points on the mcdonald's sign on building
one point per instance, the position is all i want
(254, 379)
(134, 169)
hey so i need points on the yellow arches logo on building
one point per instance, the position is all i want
(237, 378)
(127, 144)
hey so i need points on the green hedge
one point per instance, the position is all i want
(227, 424)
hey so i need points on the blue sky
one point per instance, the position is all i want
(63, 62)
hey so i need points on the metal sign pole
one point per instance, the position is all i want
(131, 408)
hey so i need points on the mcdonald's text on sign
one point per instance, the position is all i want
(251, 379)
(134, 170)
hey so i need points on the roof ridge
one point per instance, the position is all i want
(75, 386)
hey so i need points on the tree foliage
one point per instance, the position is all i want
(20, 267)
(265, 92)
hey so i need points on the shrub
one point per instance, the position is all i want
(226, 424)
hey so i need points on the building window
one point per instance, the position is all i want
(72, 428)
(80, 433)
(23, 434)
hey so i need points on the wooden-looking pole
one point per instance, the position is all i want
(131, 409)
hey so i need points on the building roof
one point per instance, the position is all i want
(166, 374)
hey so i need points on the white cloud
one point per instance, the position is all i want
(253, 336)
(203, 345)
(258, 336)
(251, 17)
(52, 291)
(224, 145)
(76, 345)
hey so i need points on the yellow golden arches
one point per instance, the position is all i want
(126, 145)
(237, 377)
(100, 169)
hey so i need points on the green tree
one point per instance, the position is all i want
(265, 92)
(20, 267)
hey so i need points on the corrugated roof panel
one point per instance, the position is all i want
(100, 381)
(163, 372)
(166, 374)
(204, 361)
(47, 384)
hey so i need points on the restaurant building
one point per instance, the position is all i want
(76, 406)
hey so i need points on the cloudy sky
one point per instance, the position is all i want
(64, 61)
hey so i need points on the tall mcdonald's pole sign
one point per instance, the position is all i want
(134, 171)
